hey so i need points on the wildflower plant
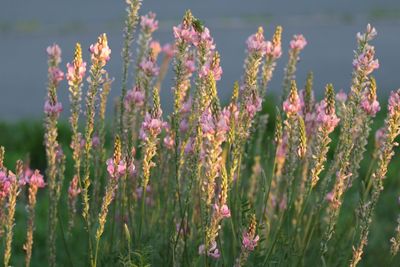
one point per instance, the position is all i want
(212, 183)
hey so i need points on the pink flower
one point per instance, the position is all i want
(224, 211)
(82, 141)
(256, 43)
(74, 190)
(365, 62)
(298, 42)
(155, 48)
(100, 52)
(75, 73)
(272, 50)
(5, 185)
(24, 179)
(204, 38)
(369, 35)
(341, 96)
(149, 22)
(187, 105)
(214, 128)
(394, 103)
(169, 50)
(212, 251)
(223, 124)
(328, 121)
(149, 67)
(135, 96)
(121, 168)
(169, 142)
(190, 65)
(116, 170)
(329, 197)
(370, 106)
(292, 105)
(207, 123)
(183, 125)
(150, 127)
(52, 109)
(253, 105)
(183, 33)
(189, 146)
(59, 153)
(36, 180)
(211, 66)
(380, 137)
(249, 242)
(54, 52)
(56, 75)
(132, 169)
(95, 141)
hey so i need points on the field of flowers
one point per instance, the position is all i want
(257, 181)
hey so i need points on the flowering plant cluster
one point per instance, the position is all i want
(205, 185)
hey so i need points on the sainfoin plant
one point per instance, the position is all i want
(206, 185)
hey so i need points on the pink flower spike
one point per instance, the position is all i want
(341, 96)
(5, 185)
(56, 75)
(256, 42)
(50, 109)
(74, 190)
(149, 67)
(149, 22)
(37, 180)
(273, 51)
(329, 121)
(121, 168)
(394, 103)
(366, 62)
(212, 251)
(134, 96)
(292, 106)
(190, 65)
(168, 50)
(225, 212)
(95, 141)
(298, 42)
(75, 73)
(184, 34)
(155, 48)
(249, 243)
(150, 126)
(100, 52)
(370, 106)
(54, 51)
(380, 137)
(212, 66)
(189, 146)
(110, 167)
(205, 39)
(329, 197)
(169, 142)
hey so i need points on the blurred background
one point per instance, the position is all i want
(28, 27)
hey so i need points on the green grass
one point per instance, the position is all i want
(24, 140)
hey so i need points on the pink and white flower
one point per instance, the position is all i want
(298, 42)
(249, 242)
(148, 22)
